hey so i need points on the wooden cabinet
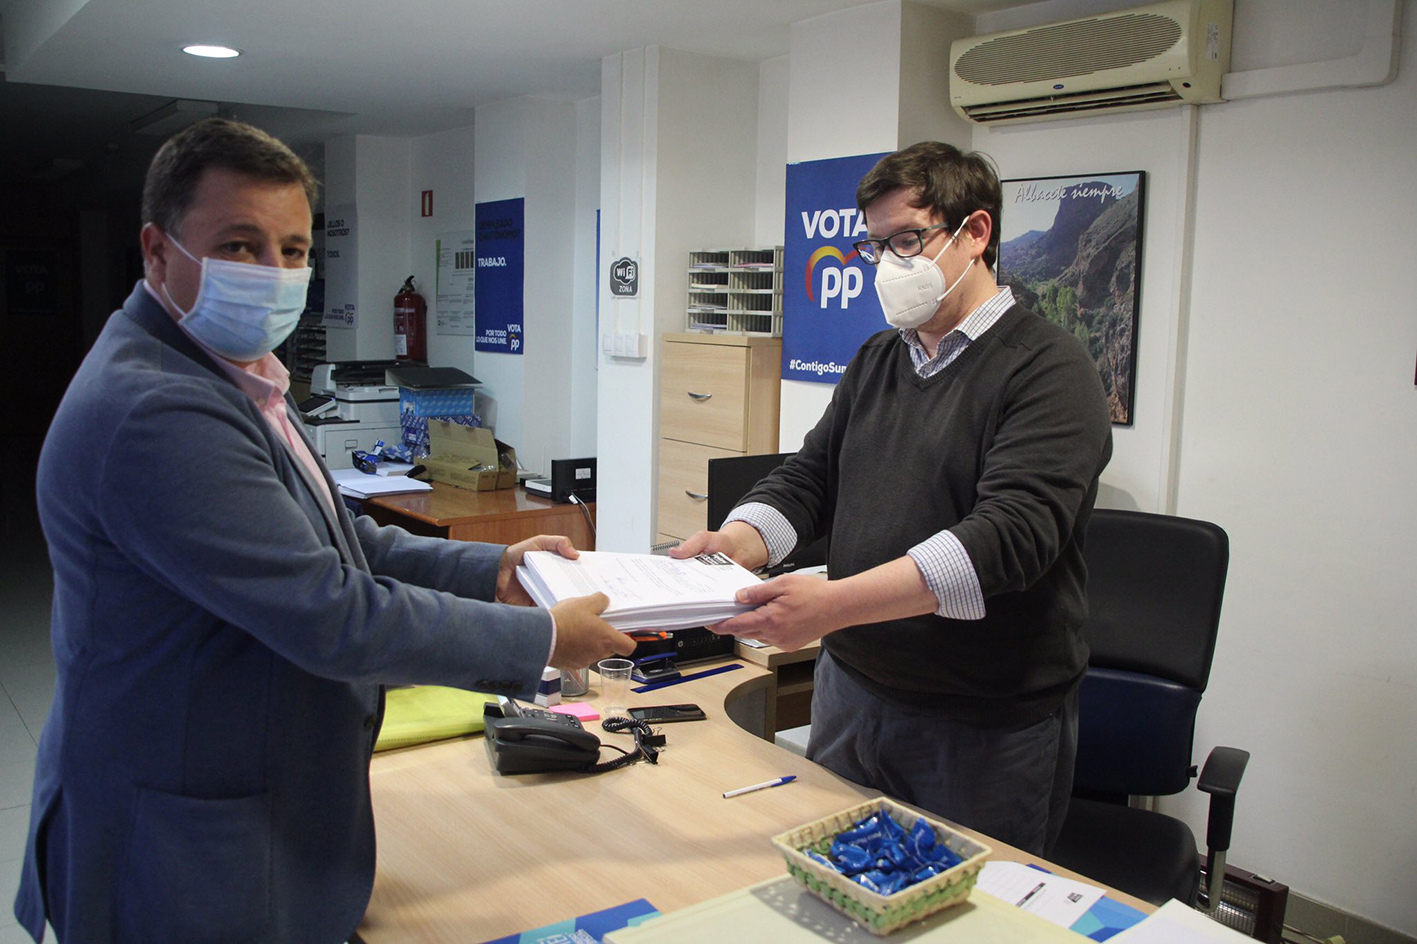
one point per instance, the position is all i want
(718, 396)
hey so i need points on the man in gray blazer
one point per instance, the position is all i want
(222, 626)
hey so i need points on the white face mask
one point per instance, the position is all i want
(243, 311)
(911, 289)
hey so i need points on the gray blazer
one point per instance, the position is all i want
(222, 638)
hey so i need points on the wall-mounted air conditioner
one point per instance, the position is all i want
(1162, 54)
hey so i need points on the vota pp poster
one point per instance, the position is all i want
(829, 303)
(500, 252)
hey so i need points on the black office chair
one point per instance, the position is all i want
(1154, 588)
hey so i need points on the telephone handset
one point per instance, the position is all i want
(523, 740)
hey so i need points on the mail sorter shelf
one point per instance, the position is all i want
(307, 348)
(736, 290)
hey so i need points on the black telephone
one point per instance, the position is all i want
(524, 740)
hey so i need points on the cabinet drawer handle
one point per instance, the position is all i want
(696, 496)
(699, 396)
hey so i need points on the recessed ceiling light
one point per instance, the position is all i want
(211, 52)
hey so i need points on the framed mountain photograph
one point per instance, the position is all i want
(1070, 248)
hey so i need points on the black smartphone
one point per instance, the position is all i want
(663, 714)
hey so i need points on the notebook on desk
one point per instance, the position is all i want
(356, 484)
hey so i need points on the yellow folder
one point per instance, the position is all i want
(423, 713)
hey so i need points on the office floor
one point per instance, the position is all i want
(26, 669)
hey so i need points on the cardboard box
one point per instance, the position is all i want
(469, 457)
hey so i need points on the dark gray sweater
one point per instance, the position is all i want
(1004, 448)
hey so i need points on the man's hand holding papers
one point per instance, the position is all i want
(646, 591)
(795, 610)
(582, 637)
(509, 590)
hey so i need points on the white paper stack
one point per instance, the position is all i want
(358, 484)
(646, 591)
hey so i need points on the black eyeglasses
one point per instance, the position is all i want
(906, 243)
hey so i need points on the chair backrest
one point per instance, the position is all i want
(1154, 589)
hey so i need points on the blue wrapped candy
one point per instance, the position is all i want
(874, 880)
(945, 857)
(865, 832)
(851, 859)
(882, 856)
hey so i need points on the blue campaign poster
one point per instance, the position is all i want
(501, 260)
(829, 301)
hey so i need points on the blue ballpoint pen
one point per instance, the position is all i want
(776, 782)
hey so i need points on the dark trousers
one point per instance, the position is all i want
(1009, 783)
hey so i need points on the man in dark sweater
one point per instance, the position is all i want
(954, 473)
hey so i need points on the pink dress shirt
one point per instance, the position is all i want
(265, 382)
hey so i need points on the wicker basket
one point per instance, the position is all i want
(881, 914)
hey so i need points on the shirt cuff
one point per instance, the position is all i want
(950, 575)
(552, 650)
(779, 536)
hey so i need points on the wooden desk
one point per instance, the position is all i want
(502, 516)
(786, 700)
(467, 855)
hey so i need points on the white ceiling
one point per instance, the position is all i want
(312, 69)
(399, 67)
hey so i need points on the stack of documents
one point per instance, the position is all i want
(646, 591)
(356, 484)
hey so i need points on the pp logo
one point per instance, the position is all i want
(843, 281)
(514, 337)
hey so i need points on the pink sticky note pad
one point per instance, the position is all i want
(577, 709)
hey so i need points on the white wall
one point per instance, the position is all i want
(584, 355)
(923, 107)
(500, 149)
(626, 405)
(527, 147)
(773, 78)
(372, 173)
(550, 287)
(1297, 435)
(830, 115)
(678, 172)
(445, 164)
(706, 170)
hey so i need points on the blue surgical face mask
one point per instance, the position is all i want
(243, 311)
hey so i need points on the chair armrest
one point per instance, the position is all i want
(1221, 779)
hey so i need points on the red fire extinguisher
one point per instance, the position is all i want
(410, 324)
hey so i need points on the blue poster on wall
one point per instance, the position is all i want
(501, 261)
(829, 301)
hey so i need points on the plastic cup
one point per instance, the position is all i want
(614, 687)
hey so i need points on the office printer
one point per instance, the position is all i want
(351, 406)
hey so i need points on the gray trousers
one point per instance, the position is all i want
(1009, 783)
